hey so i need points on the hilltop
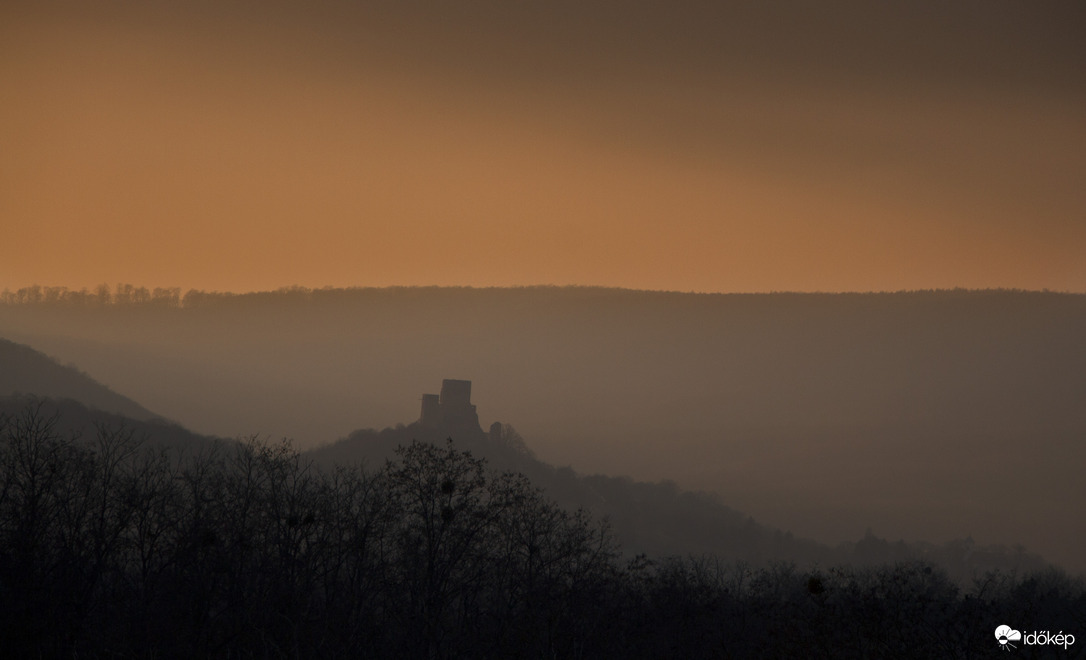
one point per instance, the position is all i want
(657, 519)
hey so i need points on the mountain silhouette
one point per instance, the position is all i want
(656, 519)
(24, 370)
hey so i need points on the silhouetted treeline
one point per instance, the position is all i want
(129, 294)
(111, 549)
(121, 294)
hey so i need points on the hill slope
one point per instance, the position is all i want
(24, 370)
(71, 419)
(660, 519)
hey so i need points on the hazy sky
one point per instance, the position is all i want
(710, 146)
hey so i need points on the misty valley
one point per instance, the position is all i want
(542, 471)
(542, 329)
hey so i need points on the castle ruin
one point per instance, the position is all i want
(451, 410)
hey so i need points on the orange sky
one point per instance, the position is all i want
(235, 146)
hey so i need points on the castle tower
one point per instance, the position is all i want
(431, 410)
(456, 393)
(451, 411)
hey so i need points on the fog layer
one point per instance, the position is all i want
(926, 416)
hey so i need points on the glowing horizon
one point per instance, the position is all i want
(245, 148)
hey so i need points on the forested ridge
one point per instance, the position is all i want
(111, 548)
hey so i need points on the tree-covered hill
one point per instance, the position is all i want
(660, 519)
(24, 370)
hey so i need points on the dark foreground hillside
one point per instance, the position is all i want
(108, 549)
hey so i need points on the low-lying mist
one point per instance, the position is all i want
(925, 416)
